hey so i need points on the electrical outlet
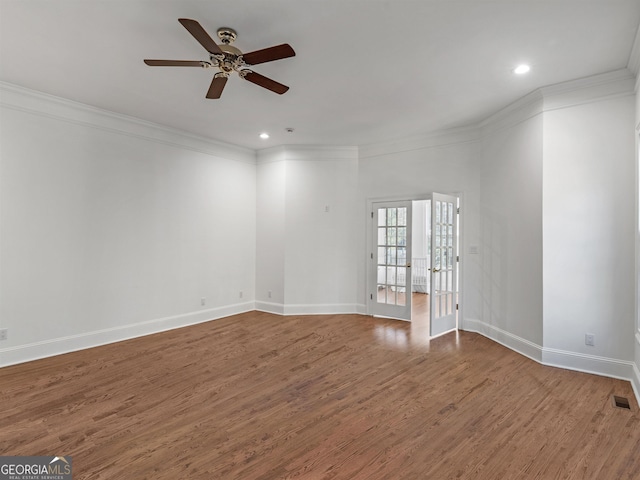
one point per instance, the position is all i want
(4, 334)
(269, 293)
(241, 294)
(203, 301)
(590, 339)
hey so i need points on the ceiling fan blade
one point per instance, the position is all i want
(216, 87)
(174, 63)
(265, 82)
(200, 35)
(268, 54)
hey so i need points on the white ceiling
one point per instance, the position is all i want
(365, 70)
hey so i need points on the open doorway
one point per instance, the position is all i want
(414, 262)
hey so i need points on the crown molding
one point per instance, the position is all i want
(307, 153)
(50, 106)
(588, 89)
(513, 114)
(634, 57)
(437, 139)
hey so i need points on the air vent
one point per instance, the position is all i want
(621, 402)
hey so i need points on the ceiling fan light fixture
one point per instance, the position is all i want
(228, 59)
(522, 69)
(264, 135)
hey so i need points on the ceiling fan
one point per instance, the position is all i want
(228, 59)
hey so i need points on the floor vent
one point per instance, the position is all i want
(621, 402)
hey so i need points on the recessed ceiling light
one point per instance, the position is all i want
(264, 136)
(521, 69)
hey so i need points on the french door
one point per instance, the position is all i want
(392, 260)
(443, 296)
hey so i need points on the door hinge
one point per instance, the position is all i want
(457, 258)
(458, 210)
(456, 306)
(371, 296)
(372, 256)
(371, 214)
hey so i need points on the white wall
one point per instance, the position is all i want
(307, 253)
(270, 225)
(510, 248)
(112, 228)
(321, 239)
(589, 219)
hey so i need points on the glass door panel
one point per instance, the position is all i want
(443, 264)
(392, 222)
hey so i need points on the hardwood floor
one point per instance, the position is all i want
(258, 396)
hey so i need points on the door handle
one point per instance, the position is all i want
(435, 270)
(409, 265)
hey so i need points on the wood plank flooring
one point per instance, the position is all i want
(259, 396)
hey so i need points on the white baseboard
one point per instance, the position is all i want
(322, 309)
(72, 343)
(509, 340)
(269, 307)
(310, 309)
(608, 367)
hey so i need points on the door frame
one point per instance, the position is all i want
(370, 287)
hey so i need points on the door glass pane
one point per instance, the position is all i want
(402, 236)
(391, 275)
(402, 256)
(450, 219)
(382, 253)
(391, 217)
(401, 276)
(438, 212)
(382, 236)
(402, 217)
(391, 296)
(401, 298)
(382, 217)
(391, 236)
(391, 256)
(382, 274)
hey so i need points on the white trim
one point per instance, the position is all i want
(437, 139)
(581, 362)
(302, 153)
(270, 307)
(513, 342)
(582, 91)
(513, 114)
(551, 357)
(82, 341)
(310, 309)
(634, 57)
(321, 309)
(49, 106)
